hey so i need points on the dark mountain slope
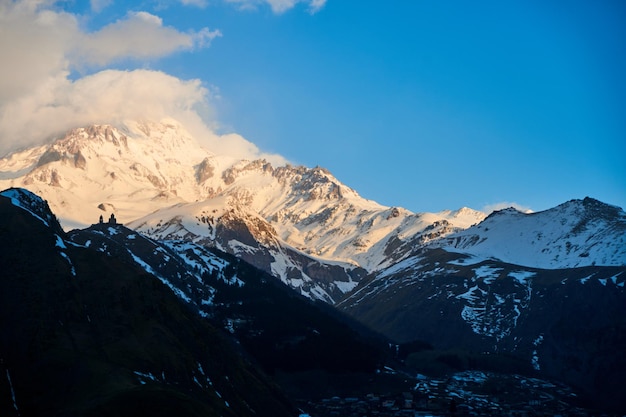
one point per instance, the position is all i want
(278, 327)
(568, 324)
(82, 333)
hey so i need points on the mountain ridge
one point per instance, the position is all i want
(300, 224)
(568, 324)
(152, 168)
(576, 233)
(84, 333)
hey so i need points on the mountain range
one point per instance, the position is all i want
(546, 288)
(300, 224)
(159, 180)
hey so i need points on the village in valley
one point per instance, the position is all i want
(469, 393)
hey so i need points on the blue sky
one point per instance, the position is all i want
(420, 104)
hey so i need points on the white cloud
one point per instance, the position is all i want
(114, 97)
(99, 5)
(316, 5)
(34, 46)
(41, 46)
(105, 97)
(278, 6)
(281, 6)
(489, 208)
(197, 3)
(140, 35)
(38, 43)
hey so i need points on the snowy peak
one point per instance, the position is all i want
(132, 171)
(98, 140)
(574, 234)
(463, 217)
(314, 184)
(590, 210)
(157, 178)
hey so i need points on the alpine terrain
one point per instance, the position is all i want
(298, 223)
(297, 277)
(546, 287)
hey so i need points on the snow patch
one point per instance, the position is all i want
(522, 276)
(69, 261)
(145, 376)
(487, 272)
(149, 269)
(346, 287)
(584, 280)
(614, 278)
(535, 357)
(60, 243)
(12, 392)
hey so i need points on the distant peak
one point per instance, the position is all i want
(592, 202)
(467, 211)
(509, 211)
(592, 206)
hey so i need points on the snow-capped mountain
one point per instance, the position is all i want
(101, 169)
(298, 223)
(453, 278)
(574, 234)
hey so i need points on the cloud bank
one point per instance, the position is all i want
(140, 35)
(41, 46)
(279, 6)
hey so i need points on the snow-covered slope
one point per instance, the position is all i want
(299, 223)
(574, 234)
(150, 166)
(100, 169)
(310, 211)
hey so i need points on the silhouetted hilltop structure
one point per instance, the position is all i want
(112, 220)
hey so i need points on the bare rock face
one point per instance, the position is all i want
(107, 207)
(51, 155)
(261, 166)
(55, 178)
(204, 170)
(80, 161)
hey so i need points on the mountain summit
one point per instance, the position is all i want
(574, 234)
(300, 224)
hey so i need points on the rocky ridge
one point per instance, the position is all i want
(300, 224)
(285, 219)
